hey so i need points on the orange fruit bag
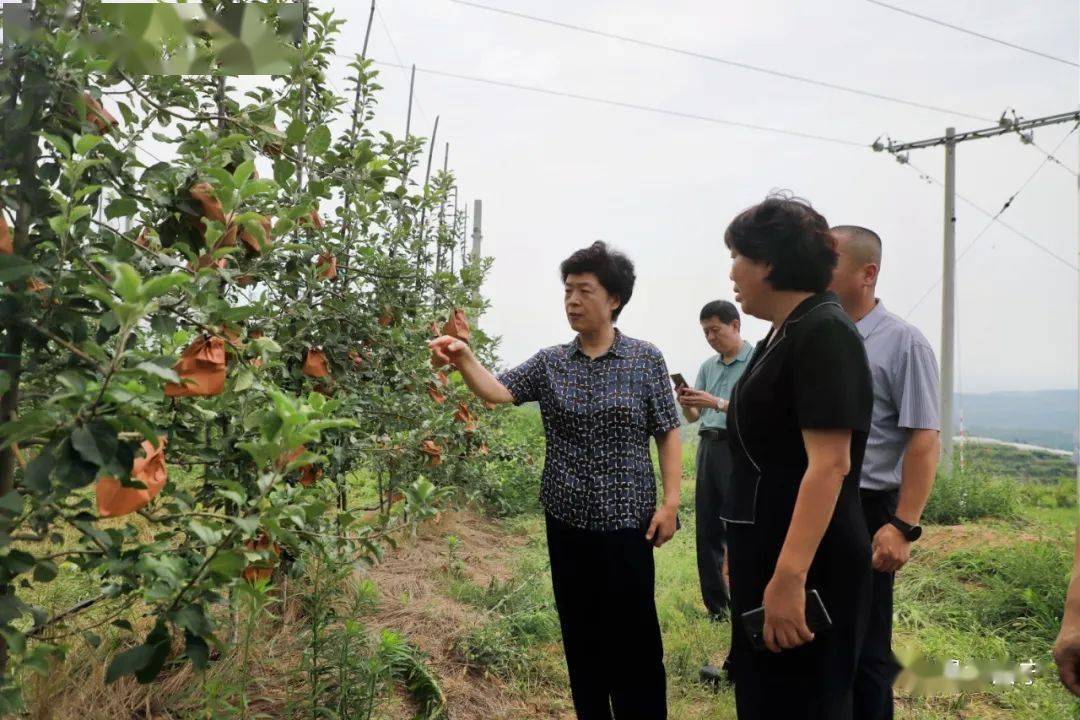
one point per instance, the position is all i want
(313, 218)
(97, 115)
(7, 246)
(262, 569)
(435, 395)
(308, 473)
(328, 266)
(143, 240)
(433, 451)
(315, 364)
(203, 193)
(457, 326)
(464, 416)
(114, 500)
(251, 241)
(201, 368)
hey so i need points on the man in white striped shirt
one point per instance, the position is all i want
(901, 453)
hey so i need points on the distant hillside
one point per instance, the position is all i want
(1044, 417)
(1028, 465)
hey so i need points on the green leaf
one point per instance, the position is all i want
(163, 284)
(165, 373)
(126, 282)
(159, 642)
(45, 571)
(13, 267)
(295, 132)
(283, 171)
(79, 212)
(128, 662)
(84, 191)
(256, 187)
(224, 181)
(36, 477)
(243, 172)
(244, 380)
(17, 562)
(210, 536)
(11, 608)
(193, 619)
(282, 226)
(228, 563)
(266, 345)
(85, 143)
(121, 207)
(319, 140)
(59, 143)
(197, 651)
(86, 445)
(59, 225)
(248, 524)
(12, 503)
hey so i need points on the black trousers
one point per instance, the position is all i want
(878, 668)
(713, 475)
(604, 586)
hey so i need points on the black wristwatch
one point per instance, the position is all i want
(911, 533)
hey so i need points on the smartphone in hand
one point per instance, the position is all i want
(817, 619)
(680, 381)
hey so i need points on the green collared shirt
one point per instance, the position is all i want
(718, 378)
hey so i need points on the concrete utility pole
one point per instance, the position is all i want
(478, 207)
(948, 300)
(948, 304)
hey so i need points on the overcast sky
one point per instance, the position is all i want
(557, 173)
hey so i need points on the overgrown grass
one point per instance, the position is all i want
(516, 641)
(971, 495)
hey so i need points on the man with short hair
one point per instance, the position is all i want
(707, 401)
(902, 451)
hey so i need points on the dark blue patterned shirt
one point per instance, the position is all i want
(598, 417)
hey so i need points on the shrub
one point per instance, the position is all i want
(970, 495)
(491, 649)
(1059, 495)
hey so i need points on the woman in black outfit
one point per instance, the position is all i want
(798, 420)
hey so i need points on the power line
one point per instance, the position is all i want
(976, 34)
(401, 63)
(1028, 138)
(723, 61)
(994, 218)
(1053, 158)
(633, 106)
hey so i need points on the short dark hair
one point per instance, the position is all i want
(787, 233)
(613, 269)
(722, 309)
(867, 243)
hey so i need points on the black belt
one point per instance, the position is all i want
(713, 434)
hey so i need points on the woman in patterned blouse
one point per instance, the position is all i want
(602, 396)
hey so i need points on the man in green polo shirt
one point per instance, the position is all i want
(707, 401)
